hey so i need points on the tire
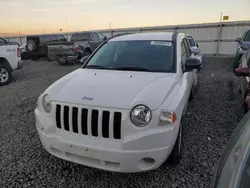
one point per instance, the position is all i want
(87, 52)
(191, 96)
(50, 57)
(5, 74)
(35, 58)
(61, 61)
(175, 155)
(31, 46)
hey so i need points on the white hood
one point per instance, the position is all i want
(114, 89)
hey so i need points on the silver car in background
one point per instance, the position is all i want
(195, 49)
(233, 170)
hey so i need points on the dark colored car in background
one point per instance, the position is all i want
(233, 170)
(243, 73)
(243, 45)
(81, 44)
(37, 45)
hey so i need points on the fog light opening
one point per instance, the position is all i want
(146, 163)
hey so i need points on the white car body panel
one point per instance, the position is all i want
(9, 52)
(115, 91)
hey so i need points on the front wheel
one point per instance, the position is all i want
(5, 75)
(175, 155)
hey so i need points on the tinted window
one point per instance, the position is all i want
(80, 37)
(247, 36)
(188, 51)
(101, 36)
(96, 37)
(155, 56)
(45, 38)
(57, 38)
(183, 55)
(2, 41)
(191, 41)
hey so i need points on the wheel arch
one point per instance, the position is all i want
(88, 49)
(4, 61)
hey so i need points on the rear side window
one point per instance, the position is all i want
(187, 46)
(80, 37)
(96, 37)
(191, 41)
(2, 41)
(45, 38)
(101, 36)
(247, 36)
(57, 38)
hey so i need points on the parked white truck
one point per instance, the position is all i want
(10, 59)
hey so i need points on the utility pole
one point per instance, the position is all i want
(66, 20)
(219, 36)
(20, 37)
(110, 29)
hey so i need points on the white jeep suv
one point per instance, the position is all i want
(122, 110)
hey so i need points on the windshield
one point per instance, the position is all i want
(247, 36)
(153, 56)
(191, 41)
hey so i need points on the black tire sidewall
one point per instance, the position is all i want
(9, 72)
(175, 155)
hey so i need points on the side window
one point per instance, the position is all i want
(53, 38)
(187, 46)
(247, 36)
(2, 41)
(183, 55)
(95, 37)
(101, 36)
(45, 38)
(80, 37)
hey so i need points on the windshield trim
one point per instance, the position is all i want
(173, 60)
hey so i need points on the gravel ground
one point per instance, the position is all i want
(211, 118)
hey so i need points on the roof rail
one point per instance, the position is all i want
(120, 34)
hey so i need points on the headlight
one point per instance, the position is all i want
(167, 117)
(141, 115)
(46, 103)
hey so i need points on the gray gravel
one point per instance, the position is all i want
(211, 118)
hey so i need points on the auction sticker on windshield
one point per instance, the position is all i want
(161, 43)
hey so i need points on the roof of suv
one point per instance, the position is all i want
(144, 36)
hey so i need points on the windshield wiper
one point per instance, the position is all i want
(96, 67)
(132, 69)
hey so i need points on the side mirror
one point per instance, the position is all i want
(192, 63)
(84, 59)
(197, 44)
(105, 38)
(242, 71)
(238, 40)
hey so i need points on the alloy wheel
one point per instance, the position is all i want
(4, 75)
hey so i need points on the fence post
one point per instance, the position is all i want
(219, 39)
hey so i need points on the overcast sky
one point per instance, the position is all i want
(39, 16)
